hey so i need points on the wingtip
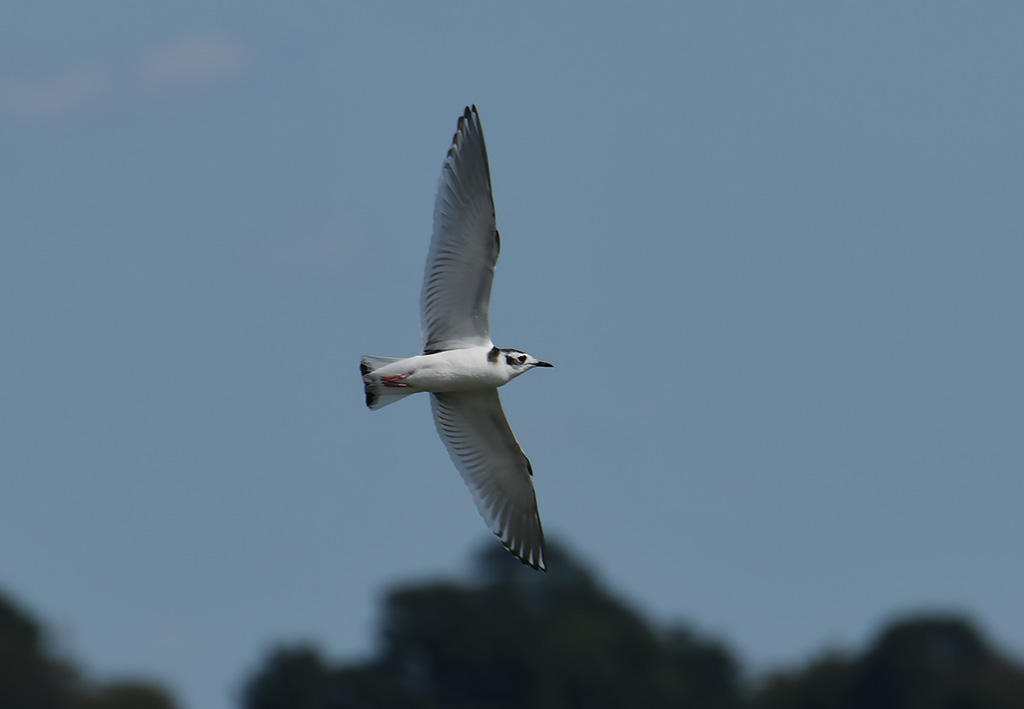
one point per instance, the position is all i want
(460, 128)
(537, 565)
(532, 555)
(470, 115)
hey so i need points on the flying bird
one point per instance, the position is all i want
(460, 367)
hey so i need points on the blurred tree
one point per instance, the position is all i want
(32, 678)
(128, 695)
(507, 641)
(510, 639)
(937, 662)
(825, 684)
(29, 677)
(557, 640)
(294, 677)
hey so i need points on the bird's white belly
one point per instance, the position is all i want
(454, 370)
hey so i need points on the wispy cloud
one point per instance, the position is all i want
(193, 59)
(58, 92)
(189, 61)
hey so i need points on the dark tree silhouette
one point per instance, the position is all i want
(128, 695)
(31, 677)
(939, 663)
(511, 640)
(928, 662)
(294, 677)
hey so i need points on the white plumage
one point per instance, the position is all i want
(460, 366)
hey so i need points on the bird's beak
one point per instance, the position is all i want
(544, 364)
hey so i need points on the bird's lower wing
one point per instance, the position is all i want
(474, 429)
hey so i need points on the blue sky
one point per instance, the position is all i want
(774, 251)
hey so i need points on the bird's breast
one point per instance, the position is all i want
(457, 370)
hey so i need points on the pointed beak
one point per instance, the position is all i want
(544, 364)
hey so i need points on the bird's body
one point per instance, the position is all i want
(460, 367)
(465, 369)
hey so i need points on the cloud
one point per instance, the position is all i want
(189, 61)
(60, 92)
(193, 59)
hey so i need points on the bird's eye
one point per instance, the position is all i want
(522, 359)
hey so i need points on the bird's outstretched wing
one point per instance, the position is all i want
(473, 427)
(464, 248)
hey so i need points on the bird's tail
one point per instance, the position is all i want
(377, 395)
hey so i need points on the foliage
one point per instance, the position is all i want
(925, 662)
(32, 677)
(510, 640)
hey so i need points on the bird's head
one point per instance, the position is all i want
(517, 361)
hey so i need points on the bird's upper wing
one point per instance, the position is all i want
(473, 427)
(464, 248)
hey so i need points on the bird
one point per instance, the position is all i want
(460, 367)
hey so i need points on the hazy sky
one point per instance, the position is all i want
(775, 251)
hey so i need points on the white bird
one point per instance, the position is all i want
(460, 366)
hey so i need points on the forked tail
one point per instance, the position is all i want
(377, 395)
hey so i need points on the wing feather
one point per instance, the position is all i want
(480, 442)
(456, 294)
